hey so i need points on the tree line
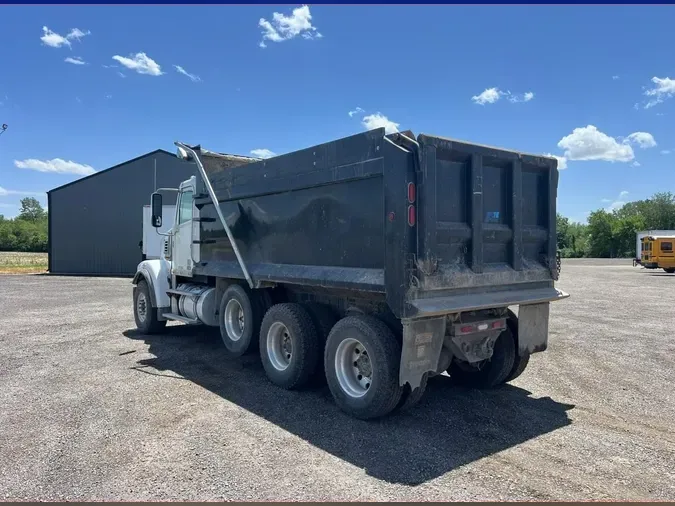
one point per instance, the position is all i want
(26, 232)
(608, 234)
(611, 234)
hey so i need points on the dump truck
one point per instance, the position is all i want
(372, 263)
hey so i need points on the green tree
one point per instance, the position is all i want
(600, 238)
(31, 210)
(562, 226)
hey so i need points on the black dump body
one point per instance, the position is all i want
(476, 231)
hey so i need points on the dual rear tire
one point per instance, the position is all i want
(357, 356)
(300, 344)
(505, 365)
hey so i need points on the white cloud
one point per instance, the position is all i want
(75, 60)
(53, 39)
(615, 77)
(616, 205)
(141, 63)
(514, 99)
(79, 100)
(663, 89)
(379, 120)
(665, 151)
(562, 161)
(355, 111)
(121, 75)
(643, 139)
(77, 34)
(194, 78)
(492, 95)
(56, 165)
(636, 163)
(489, 96)
(288, 27)
(263, 153)
(589, 143)
(108, 97)
(4, 193)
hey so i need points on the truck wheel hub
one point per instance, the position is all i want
(141, 307)
(353, 368)
(279, 346)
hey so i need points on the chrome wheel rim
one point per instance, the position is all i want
(279, 346)
(353, 368)
(234, 320)
(141, 307)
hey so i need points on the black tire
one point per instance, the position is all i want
(670, 270)
(520, 361)
(492, 371)
(294, 367)
(146, 322)
(383, 350)
(324, 320)
(411, 398)
(245, 337)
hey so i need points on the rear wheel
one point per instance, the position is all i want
(289, 347)
(324, 320)
(361, 360)
(490, 372)
(520, 361)
(670, 270)
(411, 398)
(239, 318)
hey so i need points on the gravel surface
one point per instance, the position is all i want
(90, 409)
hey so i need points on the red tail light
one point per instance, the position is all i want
(411, 216)
(466, 329)
(411, 192)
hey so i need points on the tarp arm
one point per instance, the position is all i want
(191, 152)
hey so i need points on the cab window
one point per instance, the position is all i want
(185, 207)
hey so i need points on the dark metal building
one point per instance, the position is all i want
(96, 223)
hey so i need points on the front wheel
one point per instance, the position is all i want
(144, 314)
(362, 360)
(670, 270)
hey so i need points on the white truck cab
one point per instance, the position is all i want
(155, 279)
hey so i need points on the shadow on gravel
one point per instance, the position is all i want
(450, 427)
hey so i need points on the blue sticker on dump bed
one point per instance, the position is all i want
(492, 217)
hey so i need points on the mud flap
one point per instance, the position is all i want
(533, 328)
(422, 343)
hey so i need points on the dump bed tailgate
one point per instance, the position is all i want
(486, 220)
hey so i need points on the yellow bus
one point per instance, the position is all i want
(657, 253)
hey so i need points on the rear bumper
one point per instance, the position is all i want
(443, 305)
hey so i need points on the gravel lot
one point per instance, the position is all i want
(90, 409)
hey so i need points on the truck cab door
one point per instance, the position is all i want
(183, 247)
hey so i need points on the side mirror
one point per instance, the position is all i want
(156, 205)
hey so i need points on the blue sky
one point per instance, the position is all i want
(573, 81)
